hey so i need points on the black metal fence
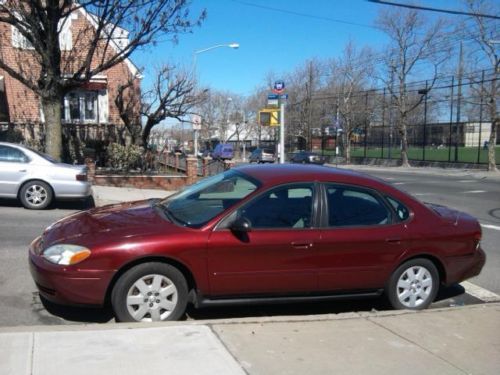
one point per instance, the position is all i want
(450, 123)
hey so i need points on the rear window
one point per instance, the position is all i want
(268, 151)
(228, 149)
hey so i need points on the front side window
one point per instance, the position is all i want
(12, 155)
(80, 106)
(201, 202)
(351, 206)
(287, 206)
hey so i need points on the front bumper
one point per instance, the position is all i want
(69, 285)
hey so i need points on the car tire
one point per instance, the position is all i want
(413, 285)
(36, 195)
(150, 292)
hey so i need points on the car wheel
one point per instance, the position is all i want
(150, 292)
(414, 285)
(36, 195)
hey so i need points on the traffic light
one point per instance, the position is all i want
(269, 117)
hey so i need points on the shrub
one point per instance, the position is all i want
(124, 157)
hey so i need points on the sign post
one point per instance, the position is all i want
(196, 120)
(279, 88)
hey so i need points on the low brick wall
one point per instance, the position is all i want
(169, 183)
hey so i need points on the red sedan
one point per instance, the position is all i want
(257, 234)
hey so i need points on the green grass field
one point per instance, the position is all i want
(465, 154)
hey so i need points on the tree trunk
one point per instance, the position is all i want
(348, 147)
(404, 143)
(51, 107)
(492, 166)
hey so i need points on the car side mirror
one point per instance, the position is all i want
(241, 224)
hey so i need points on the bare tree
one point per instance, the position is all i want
(304, 112)
(487, 39)
(412, 43)
(350, 74)
(173, 95)
(111, 31)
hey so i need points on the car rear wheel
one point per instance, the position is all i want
(150, 292)
(36, 195)
(414, 285)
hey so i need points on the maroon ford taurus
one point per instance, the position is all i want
(256, 234)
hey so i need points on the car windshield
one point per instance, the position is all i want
(199, 203)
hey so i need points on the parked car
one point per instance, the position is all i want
(262, 155)
(36, 179)
(223, 151)
(257, 234)
(306, 157)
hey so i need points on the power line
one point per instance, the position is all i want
(449, 11)
(313, 16)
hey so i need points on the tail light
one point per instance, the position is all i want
(81, 177)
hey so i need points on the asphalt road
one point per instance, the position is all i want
(20, 304)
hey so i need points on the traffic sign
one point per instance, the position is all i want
(279, 87)
(196, 121)
(284, 96)
(272, 96)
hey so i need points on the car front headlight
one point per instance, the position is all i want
(65, 254)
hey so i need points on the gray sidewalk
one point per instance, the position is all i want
(461, 340)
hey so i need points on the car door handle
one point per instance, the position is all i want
(22, 170)
(394, 240)
(302, 245)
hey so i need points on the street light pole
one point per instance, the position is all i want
(195, 54)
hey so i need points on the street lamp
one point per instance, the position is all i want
(195, 54)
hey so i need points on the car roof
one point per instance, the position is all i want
(283, 173)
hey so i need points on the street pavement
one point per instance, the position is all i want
(285, 340)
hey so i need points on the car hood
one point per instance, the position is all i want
(128, 219)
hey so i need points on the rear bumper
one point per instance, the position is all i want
(464, 267)
(70, 190)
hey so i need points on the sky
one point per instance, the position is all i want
(271, 41)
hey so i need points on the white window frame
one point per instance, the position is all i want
(82, 96)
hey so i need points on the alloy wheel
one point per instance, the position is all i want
(414, 286)
(152, 298)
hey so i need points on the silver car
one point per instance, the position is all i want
(262, 155)
(36, 179)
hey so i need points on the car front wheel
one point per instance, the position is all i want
(150, 292)
(414, 285)
(36, 195)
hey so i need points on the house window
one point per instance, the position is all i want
(19, 40)
(81, 106)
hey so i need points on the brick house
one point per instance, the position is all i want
(89, 108)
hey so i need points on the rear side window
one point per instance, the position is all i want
(13, 155)
(351, 206)
(401, 211)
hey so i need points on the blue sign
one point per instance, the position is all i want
(272, 96)
(284, 96)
